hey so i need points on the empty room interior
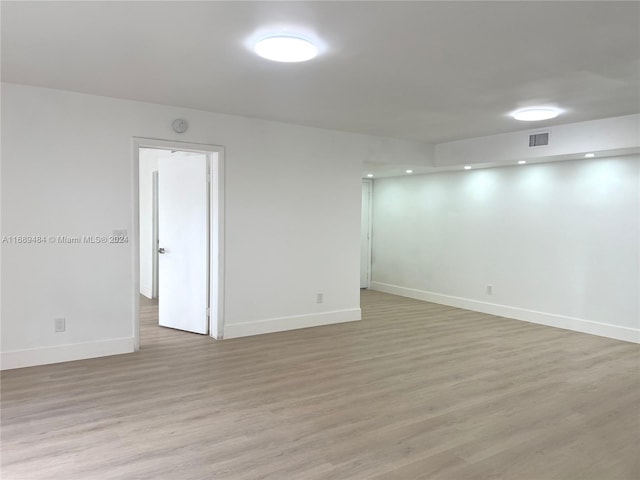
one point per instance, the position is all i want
(320, 240)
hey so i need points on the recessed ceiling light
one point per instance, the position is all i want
(522, 162)
(370, 175)
(589, 155)
(467, 167)
(409, 171)
(285, 48)
(534, 114)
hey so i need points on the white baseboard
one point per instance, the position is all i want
(271, 325)
(542, 318)
(64, 353)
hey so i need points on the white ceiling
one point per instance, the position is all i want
(429, 71)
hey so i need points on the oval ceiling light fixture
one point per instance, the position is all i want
(589, 155)
(370, 175)
(535, 114)
(285, 48)
(467, 167)
(522, 162)
(409, 171)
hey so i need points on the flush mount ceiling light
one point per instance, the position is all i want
(522, 162)
(285, 48)
(467, 167)
(409, 171)
(589, 155)
(370, 175)
(535, 114)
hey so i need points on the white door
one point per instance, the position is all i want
(183, 241)
(365, 236)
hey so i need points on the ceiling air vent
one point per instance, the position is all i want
(539, 139)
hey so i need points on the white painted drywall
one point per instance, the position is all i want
(292, 220)
(560, 239)
(148, 165)
(614, 133)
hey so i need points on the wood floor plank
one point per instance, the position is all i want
(415, 390)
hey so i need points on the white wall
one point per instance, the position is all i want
(559, 242)
(390, 156)
(148, 165)
(292, 220)
(606, 134)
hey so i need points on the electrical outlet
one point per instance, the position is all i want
(320, 298)
(60, 325)
(489, 289)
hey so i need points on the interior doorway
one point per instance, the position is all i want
(365, 234)
(179, 210)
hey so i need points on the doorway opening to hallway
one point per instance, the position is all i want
(180, 210)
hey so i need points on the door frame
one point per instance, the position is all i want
(216, 228)
(154, 234)
(368, 214)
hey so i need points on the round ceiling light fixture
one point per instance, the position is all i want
(535, 114)
(285, 48)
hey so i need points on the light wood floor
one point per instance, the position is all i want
(415, 390)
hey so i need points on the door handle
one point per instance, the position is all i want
(160, 250)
